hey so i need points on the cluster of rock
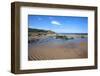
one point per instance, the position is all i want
(36, 34)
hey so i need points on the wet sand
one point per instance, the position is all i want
(64, 50)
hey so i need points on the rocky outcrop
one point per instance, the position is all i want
(36, 34)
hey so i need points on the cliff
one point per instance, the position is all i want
(39, 32)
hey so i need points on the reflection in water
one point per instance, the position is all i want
(54, 41)
(52, 48)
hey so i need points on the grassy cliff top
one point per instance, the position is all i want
(39, 30)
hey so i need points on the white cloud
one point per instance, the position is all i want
(55, 22)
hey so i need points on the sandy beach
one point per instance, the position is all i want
(58, 49)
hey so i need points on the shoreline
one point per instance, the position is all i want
(50, 51)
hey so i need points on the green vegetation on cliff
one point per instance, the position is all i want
(39, 30)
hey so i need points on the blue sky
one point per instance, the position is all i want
(59, 24)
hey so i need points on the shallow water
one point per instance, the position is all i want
(54, 41)
(52, 48)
